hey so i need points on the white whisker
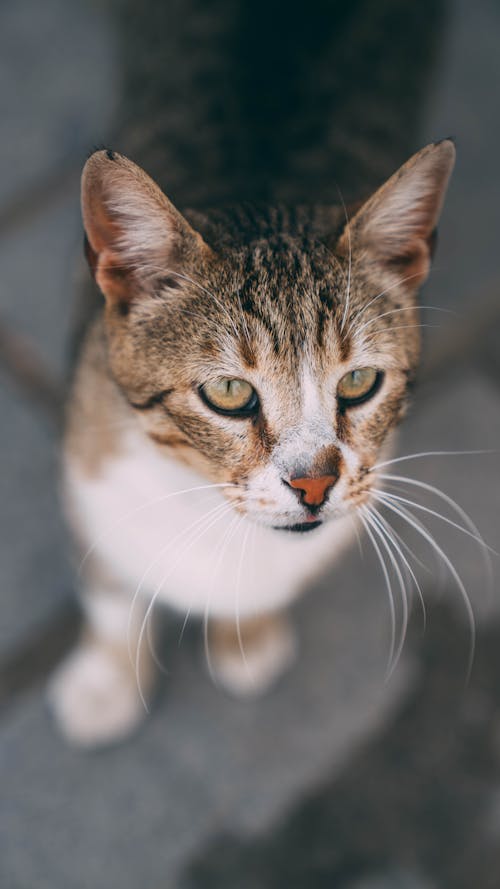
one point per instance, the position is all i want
(453, 571)
(208, 293)
(219, 551)
(387, 290)
(431, 454)
(406, 547)
(356, 532)
(133, 512)
(477, 537)
(237, 602)
(404, 601)
(152, 651)
(158, 589)
(405, 327)
(396, 311)
(168, 545)
(473, 530)
(389, 590)
(439, 563)
(395, 539)
(348, 294)
(228, 536)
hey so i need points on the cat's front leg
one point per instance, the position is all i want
(95, 694)
(248, 657)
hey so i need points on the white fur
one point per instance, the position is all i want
(309, 433)
(159, 533)
(311, 401)
(144, 546)
(94, 697)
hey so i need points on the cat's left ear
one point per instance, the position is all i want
(396, 226)
(135, 237)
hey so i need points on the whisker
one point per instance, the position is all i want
(168, 545)
(388, 584)
(404, 601)
(228, 536)
(395, 539)
(237, 603)
(152, 651)
(454, 573)
(348, 233)
(431, 454)
(402, 309)
(463, 515)
(158, 589)
(356, 532)
(184, 625)
(387, 290)
(208, 293)
(133, 512)
(443, 518)
(405, 327)
(405, 546)
(439, 563)
(214, 571)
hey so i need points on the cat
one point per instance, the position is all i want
(231, 401)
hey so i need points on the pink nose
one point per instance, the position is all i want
(313, 490)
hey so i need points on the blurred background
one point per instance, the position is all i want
(340, 778)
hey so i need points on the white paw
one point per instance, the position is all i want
(94, 697)
(256, 668)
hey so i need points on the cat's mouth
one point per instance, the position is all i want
(301, 527)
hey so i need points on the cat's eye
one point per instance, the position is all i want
(235, 398)
(358, 385)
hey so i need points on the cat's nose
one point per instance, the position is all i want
(312, 491)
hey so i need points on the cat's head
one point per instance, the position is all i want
(277, 352)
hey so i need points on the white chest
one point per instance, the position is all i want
(162, 531)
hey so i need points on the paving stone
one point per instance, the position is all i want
(36, 575)
(38, 298)
(220, 762)
(133, 815)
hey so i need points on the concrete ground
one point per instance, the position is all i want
(339, 778)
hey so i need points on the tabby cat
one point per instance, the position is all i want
(231, 401)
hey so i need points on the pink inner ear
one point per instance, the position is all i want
(101, 229)
(90, 256)
(113, 277)
(133, 230)
(396, 226)
(106, 263)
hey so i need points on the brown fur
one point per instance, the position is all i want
(228, 639)
(248, 295)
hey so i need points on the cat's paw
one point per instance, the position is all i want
(251, 664)
(94, 697)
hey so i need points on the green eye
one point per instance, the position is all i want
(358, 385)
(232, 397)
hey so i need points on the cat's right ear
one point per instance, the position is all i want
(395, 228)
(134, 235)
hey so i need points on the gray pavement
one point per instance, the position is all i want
(338, 778)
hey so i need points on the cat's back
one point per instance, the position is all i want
(228, 101)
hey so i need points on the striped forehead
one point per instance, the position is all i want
(292, 296)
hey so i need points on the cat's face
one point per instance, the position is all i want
(278, 361)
